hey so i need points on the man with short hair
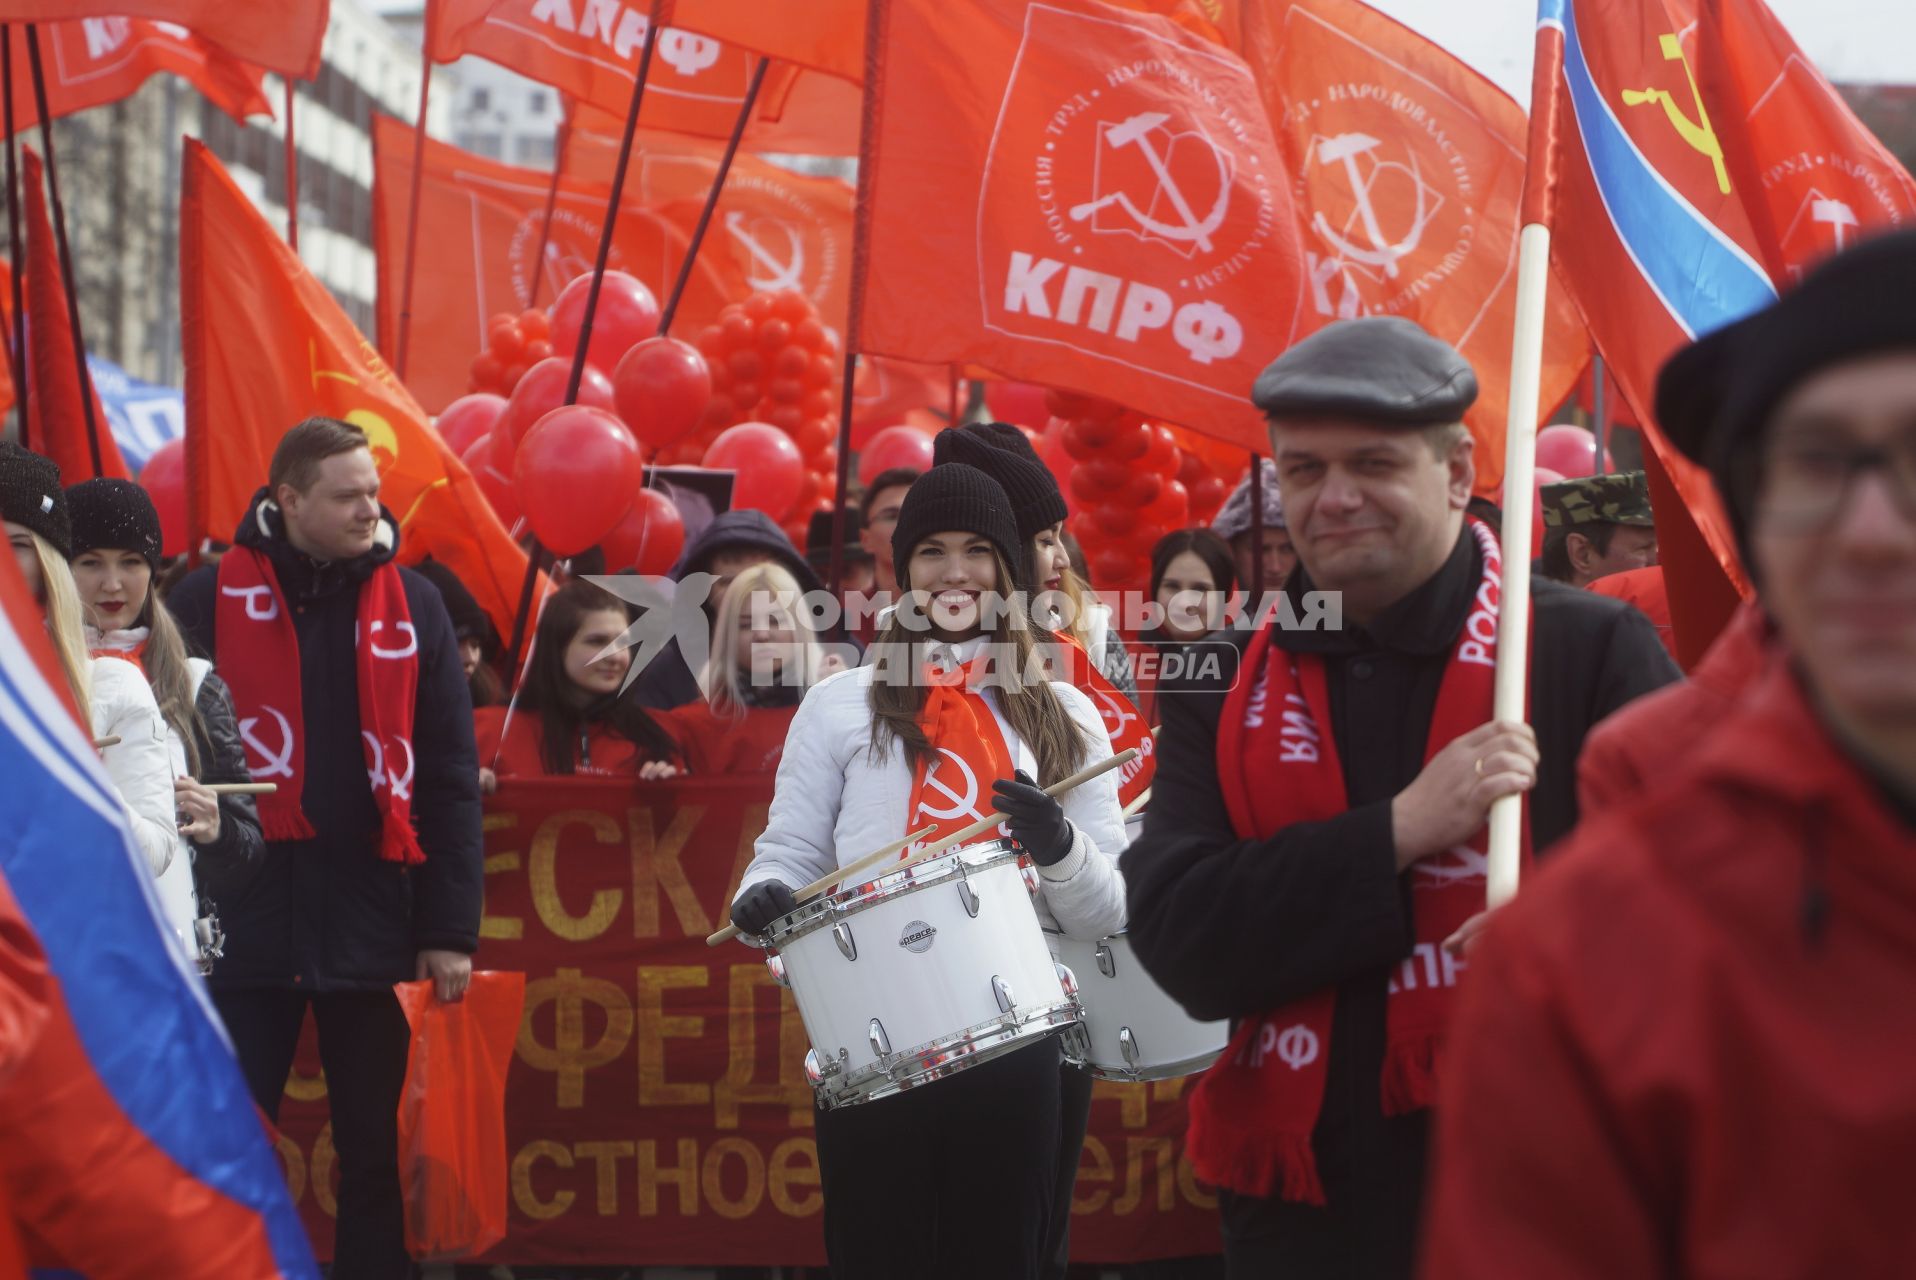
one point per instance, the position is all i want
(1596, 526)
(1689, 1049)
(351, 698)
(1316, 827)
(878, 515)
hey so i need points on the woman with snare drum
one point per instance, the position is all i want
(954, 1178)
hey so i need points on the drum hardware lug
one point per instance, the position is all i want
(968, 896)
(1107, 961)
(1067, 979)
(842, 935)
(819, 1069)
(1128, 1046)
(1007, 1001)
(1030, 874)
(881, 1043)
(775, 965)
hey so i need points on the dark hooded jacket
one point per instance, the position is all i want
(327, 913)
(667, 681)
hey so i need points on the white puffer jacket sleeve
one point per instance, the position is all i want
(1085, 890)
(142, 772)
(800, 842)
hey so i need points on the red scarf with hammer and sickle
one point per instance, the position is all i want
(952, 789)
(1123, 722)
(1253, 1113)
(259, 660)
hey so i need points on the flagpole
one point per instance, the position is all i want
(1511, 682)
(712, 196)
(1256, 583)
(545, 226)
(17, 339)
(1600, 410)
(292, 173)
(65, 250)
(412, 216)
(591, 298)
(861, 253)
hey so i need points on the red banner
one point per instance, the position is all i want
(284, 36)
(90, 62)
(657, 1112)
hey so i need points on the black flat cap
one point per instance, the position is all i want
(1380, 369)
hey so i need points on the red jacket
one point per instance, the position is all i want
(1657, 1071)
(608, 753)
(715, 744)
(1636, 746)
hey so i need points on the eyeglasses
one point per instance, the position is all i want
(1806, 478)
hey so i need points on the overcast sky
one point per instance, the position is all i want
(1863, 41)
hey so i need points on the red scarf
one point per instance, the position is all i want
(970, 750)
(259, 660)
(1123, 723)
(1253, 1113)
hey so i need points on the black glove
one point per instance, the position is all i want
(761, 904)
(1037, 821)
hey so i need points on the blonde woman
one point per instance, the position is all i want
(111, 695)
(764, 657)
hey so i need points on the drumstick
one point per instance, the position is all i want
(865, 863)
(111, 740)
(242, 788)
(1138, 803)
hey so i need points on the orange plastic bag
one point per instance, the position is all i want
(452, 1115)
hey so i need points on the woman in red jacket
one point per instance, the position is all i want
(764, 658)
(572, 716)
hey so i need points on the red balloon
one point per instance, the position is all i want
(894, 447)
(1116, 568)
(482, 459)
(1071, 404)
(1207, 495)
(649, 539)
(543, 389)
(164, 479)
(1162, 455)
(1019, 403)
(1098, 480)
(662, 388)
(468, 418)
(1088, 438)
(627, 314)
(1141, 488)
(1171, 509)
(577, 473)
(771, 471)
(1569, 450)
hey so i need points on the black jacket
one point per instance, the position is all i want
(667, 681)
(329, 913)
(224, 869)
(1233, 927)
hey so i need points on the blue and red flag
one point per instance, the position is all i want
(1690, 161)
(129, 1146)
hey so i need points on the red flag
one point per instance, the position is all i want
(1409, 170)
(54, 389)
(479, 257)
(267, 346)
(283, 36)
(590, 50)
(1083, 198)
(93, 61)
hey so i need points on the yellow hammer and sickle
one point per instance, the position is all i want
(1698, 133)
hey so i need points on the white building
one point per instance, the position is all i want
(495, 113)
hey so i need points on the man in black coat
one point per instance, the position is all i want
(1375, 473)
(333, 919)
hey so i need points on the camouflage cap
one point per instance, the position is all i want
(1618, 498)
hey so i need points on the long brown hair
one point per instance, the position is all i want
(547, 693)
(1030, 706)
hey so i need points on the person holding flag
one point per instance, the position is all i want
(944, 709)
(1698, 1013)
(1317, 826)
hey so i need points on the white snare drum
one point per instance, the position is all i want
(920, 974)
(1132, 1030)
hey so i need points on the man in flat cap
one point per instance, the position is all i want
(1688, 1050)
(1596, 526)
(1316, 829)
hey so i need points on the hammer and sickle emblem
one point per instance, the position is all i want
(779, 275)
(253, 596)
(1461, 863)
(1696, 133)
(379, 775)
(1384, 252)
(1115, 716)
(963, 805)
(1189, 229)
(278, 764)
(408, 650)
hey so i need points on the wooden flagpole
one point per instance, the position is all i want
(292, 173)
(17, 339)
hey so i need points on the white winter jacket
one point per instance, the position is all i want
(123, 708)
(834, 803)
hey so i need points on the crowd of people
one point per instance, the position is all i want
(1680, 1053)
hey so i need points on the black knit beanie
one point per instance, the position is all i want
(954, 496)
(470, 621)
(1001, 451)
(116, 514)
(30, 495)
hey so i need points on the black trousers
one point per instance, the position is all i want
(363, 1041)
(1074, 1119)
(951, 1180)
